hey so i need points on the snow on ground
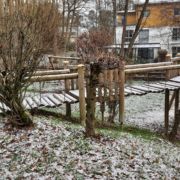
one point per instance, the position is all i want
(59, 150)
(145, 111)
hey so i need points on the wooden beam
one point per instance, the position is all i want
(52, 77)
(176, 101)
(150, 69)
(67, 88)
(172, 99)
(148, 65)
(166, 112)
(82, 104)
(66, 58)
(121, 95)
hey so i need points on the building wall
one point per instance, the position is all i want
(161, 35)
(160, 15)
(131, 18)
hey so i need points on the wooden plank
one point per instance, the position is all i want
(168, 86)
(175, 79)
(136, 90)
(71, 98)
(65, 98)
(42, 101)
(36, 101)
(156, 86)
(171, 83)
(153, 89)
(58, 97)
(150, 69)
(146, 89)
(54, 100)
(49, 102)
(31, 103)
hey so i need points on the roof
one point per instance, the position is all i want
(157, 3)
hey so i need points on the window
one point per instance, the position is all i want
(144, 36)
(129, 35)
(176, 34)
(176, 11)
(146, 13)
(146, 53)
(122, 19)
(175, 50)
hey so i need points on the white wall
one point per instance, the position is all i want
(161, 35)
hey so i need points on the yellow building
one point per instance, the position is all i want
(160, 29)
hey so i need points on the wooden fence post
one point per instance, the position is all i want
(178, 55)
(166, 111)
(168, 75)
(81, 94)
(176, 101)
(121, 94)
(67, 88)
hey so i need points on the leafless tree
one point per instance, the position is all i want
(27, 31)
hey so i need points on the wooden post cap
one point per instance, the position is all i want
(66, 62)
(80, 65)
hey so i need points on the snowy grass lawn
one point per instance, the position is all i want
(57, 149)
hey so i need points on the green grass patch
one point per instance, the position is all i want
(135, 131)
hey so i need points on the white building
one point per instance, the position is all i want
(160, 29)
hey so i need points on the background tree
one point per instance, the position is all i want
(27, 31)
(92, 41)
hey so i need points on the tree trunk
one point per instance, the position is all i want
(18, 110)
(90, 107)
(114, 20)
(137, 29)
(91, 94)
(173, 133)
(124, 29)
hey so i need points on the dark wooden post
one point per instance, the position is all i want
(72, 80)
(67, 88)
(111, 84)
(168, 75)
(81, 94)
(105, 83)
(116, 83)
(166, 111)
(90, 121)
(176, 101)
(121, 94)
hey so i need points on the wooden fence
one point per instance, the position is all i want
(76, 78)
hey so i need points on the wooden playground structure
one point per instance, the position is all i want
(114, 90)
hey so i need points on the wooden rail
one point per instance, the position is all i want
(151, 69)
(148, 65)
(53, 77)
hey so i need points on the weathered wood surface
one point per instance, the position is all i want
(53, 77)
(151, 69)
(148, 65)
